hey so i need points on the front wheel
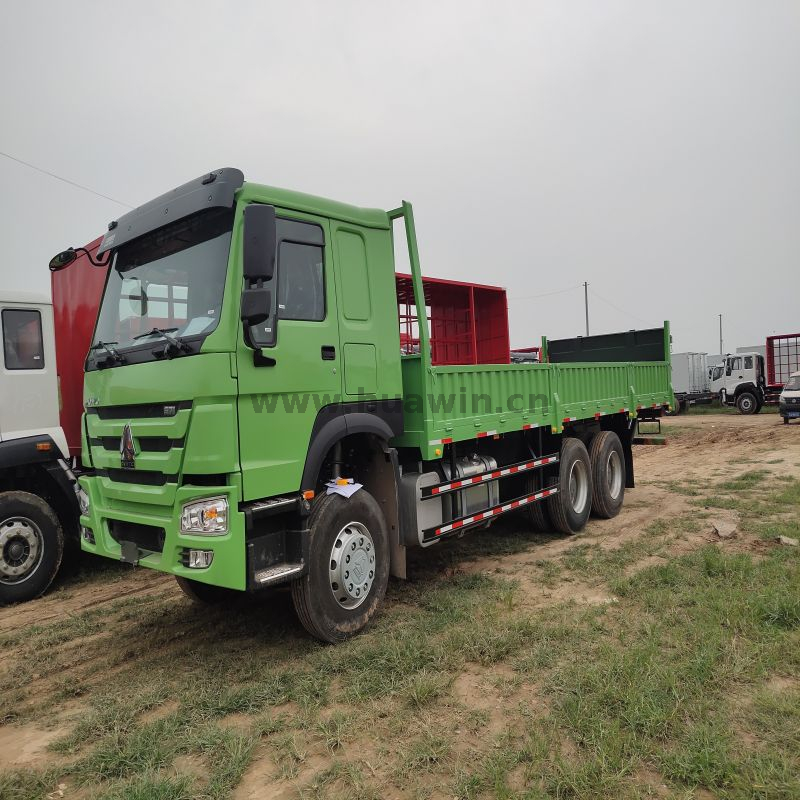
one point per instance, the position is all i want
(31, 546)
(570, 508)
(348, 566)
(746, 403)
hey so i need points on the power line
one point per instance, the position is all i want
(64, 180)
(545, 294)
(617, 308)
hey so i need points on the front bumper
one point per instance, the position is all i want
(113, 522)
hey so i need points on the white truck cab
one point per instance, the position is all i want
(739, 380)
(789, 403)
(38, 497)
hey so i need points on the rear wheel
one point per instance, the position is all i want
(31, 546)
(348, 568)
(746, 403)
(608, 474)
(569, 509)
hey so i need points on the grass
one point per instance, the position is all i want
(687, 676)
(716, 407)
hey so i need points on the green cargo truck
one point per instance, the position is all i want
(251, 420)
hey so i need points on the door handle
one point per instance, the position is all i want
(328, 352)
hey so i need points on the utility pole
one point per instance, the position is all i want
(720, 335)
(586, 303)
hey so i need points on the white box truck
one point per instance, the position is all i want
(690, 380)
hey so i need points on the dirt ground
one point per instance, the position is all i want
(83, 635)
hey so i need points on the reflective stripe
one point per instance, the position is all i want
(493, 512)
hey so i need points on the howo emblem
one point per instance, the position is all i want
(127, 448)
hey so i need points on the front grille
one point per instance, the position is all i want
(146, 444)
(145, 537)
(140, 476)
(142, 411)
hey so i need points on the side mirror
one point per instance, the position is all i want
(63, 259)
(259, 243)
(728, 369)
(256, 304)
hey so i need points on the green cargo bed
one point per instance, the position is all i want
(458, 403)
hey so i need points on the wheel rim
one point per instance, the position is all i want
(614, 474)
(352, 565)
(21, 549)
(746, 404)
(578, 486)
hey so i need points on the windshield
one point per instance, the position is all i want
(171, 279)
(793, 384)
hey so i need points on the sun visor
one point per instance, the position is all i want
(212, 190)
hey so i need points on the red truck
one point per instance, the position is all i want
(783, 358)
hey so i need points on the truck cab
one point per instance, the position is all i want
(38, 500)
(739, 381)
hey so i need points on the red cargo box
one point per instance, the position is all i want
(76, 297)
(468, 322)
(783, 358)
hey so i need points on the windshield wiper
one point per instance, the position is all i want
(113, 353)
(174, 345)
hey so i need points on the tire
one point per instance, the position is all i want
(608, 474)
(31, 546)
(678, 408)
(570, 508)
(206, 594)
(537, 513)
(331, 606)
(746, 403)
(786, 420)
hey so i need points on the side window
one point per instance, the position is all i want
(298, 286)
(736, 363)
(22, 339)
(301, 286)
(748, 362)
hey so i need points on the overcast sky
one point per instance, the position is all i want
(651, 149)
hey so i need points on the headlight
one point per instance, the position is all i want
(205, 516)
(83, 502)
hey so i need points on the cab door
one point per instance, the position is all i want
(297, 370)
(733, 374)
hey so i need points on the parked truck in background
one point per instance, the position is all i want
(690, 380)
(41, 393)
(38, 491)
(252, 421)
(750, 380)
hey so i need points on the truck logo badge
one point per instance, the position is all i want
(127, 449)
